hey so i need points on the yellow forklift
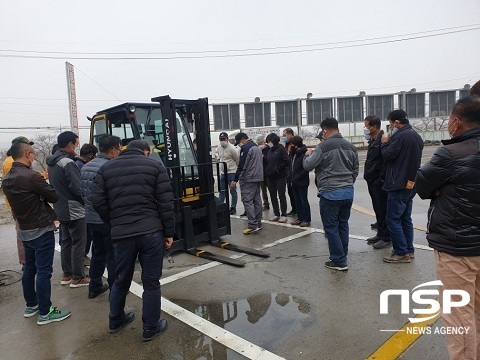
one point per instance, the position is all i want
(166, 124)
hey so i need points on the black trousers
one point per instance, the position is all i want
(379, 202)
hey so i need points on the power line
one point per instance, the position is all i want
(239, 55)
(239, 50)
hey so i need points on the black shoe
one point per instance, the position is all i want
(373, 240)
(93, 295)
(382, 244)
(233, 211)
(152, 334)
(332, 265)
(374, 226)
(127, 319)
(292, 213)
(244, 214)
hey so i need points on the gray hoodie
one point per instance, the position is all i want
(64, 176)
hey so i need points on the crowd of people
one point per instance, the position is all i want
(93, 197)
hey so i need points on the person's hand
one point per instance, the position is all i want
(233, 184)
(168, 242)
(385, 138)
(309, 152)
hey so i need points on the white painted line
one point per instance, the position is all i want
(215, 332)
(188, 272)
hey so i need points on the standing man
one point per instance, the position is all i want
(450, 179)
(102, 249)
(374, 175)
(29, 195)
(87, 153)
(64, 176)
(250, 174)
(133, 194)
(403, 153)
(265, 150)
(228, 153)
(335, 161)
(288, 134)
(6, 167)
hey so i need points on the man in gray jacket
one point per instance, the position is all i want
(102, 249)
(250, 174)
(335, 161)
(64, 176)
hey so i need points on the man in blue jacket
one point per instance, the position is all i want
(250, 174)
(402, 153)
(102, 249)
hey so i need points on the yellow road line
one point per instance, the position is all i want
(400, 341)
(371, 213)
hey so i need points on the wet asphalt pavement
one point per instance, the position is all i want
(285, 306)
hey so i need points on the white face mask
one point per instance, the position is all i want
(240, 144)
(270, 144)
(223, 144)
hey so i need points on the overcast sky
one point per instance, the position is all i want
(313, 46)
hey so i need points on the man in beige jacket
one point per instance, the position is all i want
(229, 154)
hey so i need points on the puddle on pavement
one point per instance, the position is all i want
(263, 319)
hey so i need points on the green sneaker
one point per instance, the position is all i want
(30, 311)
(52, 316)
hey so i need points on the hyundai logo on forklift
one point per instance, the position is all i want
(200, 220)
(168, 140)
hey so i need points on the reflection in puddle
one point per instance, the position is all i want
(263, 319)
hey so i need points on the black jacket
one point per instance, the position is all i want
(64, 176)
(29, 194)
(133, 194)
(374, 165)
(452, 180)
(403, 154)
(278, 162)
(298, 175)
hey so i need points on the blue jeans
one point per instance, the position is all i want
(335, 215)
(38, 261)
(300, 194)
(399, 220)
(233, 191)
(102, 255)
(150, 249)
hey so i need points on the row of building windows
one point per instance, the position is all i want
(350, 109)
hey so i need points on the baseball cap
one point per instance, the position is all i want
(22, 139)
(223, 135)
(239, 137)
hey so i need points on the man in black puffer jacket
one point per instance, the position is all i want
(133, 194)
(451, 180)
(299, 179)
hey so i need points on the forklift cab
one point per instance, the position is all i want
(136, 121)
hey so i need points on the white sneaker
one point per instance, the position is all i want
(275, 218)
(283, 219)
